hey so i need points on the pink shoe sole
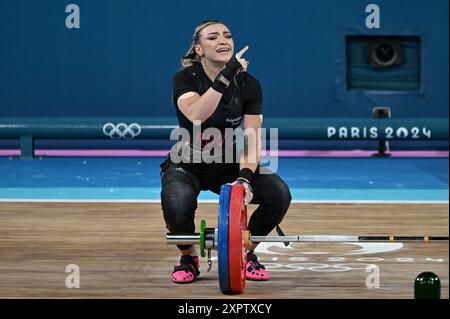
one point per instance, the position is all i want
(188, 273)
(183, 277)
(257, 274)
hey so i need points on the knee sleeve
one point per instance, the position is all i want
(179, 204)
(275, 201)
(279, 199)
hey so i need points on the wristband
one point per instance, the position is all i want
(231, 69)
(220, 83)
(242, 180)
(247, 174)
(223, 80)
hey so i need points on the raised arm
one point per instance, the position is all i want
(200, 107)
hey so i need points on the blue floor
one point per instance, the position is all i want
(310, 179)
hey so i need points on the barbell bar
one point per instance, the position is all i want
(211, 238)
(232, 239)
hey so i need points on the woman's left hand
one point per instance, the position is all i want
(248, 191)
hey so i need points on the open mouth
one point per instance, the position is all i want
(223, 50)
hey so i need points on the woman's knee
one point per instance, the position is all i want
(280, 201)
(284, 194)
(278, 194)
(179, 204)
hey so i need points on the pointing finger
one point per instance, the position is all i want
(240, 53)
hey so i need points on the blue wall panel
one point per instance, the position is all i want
(121, 61)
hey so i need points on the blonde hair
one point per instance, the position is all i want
(191, 57)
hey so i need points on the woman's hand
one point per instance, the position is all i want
(234, 66)
(248, 191)
(241, 60)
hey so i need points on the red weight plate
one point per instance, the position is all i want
(237, 257)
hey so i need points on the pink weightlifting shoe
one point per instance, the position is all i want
(187, 269)
(255, 271)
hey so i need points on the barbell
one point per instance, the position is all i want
(232, 239)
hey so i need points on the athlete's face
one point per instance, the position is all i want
(215, 43)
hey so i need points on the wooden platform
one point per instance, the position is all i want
(121, 252)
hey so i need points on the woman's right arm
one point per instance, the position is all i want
(199, 108)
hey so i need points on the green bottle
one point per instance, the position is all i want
(427, 286)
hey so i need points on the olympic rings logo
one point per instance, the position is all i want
(122, 130)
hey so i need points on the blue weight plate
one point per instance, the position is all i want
(224, 205)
